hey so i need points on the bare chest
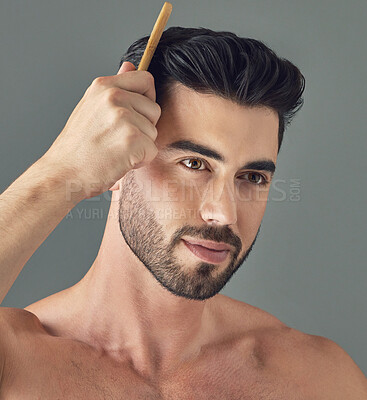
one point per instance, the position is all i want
(55, 369)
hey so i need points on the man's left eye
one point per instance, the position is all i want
(195, 163)
(255, 178)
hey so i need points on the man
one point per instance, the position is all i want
(189, 179)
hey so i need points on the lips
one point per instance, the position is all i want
(206, 254)
(208, 244)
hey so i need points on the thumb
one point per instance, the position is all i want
(126, 66)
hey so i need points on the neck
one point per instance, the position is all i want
(126, 312)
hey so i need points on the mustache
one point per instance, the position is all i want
(216, 234)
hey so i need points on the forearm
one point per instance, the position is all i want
(30, 209)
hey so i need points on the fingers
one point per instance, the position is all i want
(139, 103)
(146, 107)
(136, 81)
(141, 82)
(143, 124)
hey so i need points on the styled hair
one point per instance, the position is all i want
(242, 70)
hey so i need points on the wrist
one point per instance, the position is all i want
(60, 179)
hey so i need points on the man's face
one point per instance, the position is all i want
(201, 186)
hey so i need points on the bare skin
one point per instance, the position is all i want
(121, 334)
(235, 361)
(257, 359)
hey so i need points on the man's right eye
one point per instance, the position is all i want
(196, 163)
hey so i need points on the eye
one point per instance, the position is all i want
(256, 178)
(195, 164)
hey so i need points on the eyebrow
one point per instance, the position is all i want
(188, 145)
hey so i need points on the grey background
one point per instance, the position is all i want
(308, 267)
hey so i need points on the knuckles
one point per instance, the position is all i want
(105, 81)
(114, 95)
(117, 96)
(131, 135)
(121, 114)
(100, 82)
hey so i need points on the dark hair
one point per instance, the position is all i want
(243, 70)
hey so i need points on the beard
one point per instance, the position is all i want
(145, 237)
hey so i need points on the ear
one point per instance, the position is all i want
(116, 186)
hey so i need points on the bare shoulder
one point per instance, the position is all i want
(337, 370)
(17, 321)
(15, 325)
(318, 365)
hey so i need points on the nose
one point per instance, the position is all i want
(218, 204)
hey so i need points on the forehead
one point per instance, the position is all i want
(237, 131)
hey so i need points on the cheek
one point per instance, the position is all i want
(165, 197)
(174, 186)
(246, 192)
(250, 215)
(154, 185)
